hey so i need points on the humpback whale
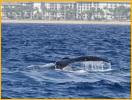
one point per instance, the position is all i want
(66, 61)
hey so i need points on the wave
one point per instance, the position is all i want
(43, 73)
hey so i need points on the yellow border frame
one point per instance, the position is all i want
(65, 1)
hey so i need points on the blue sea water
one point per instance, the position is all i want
(27, 48)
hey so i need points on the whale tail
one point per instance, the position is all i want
(66, 61)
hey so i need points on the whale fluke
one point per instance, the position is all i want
(66, 61)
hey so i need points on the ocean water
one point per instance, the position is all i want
(28, 48)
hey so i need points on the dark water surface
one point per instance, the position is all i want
(31, 46)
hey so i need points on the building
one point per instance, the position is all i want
(17, 10)
(58, 11)
(99, 11)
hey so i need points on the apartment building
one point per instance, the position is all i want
(68, 11)
(17, 10)
(58, 11)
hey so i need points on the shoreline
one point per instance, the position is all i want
(66, 22)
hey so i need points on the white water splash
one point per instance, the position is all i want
(80, 67)
(89, 66)
(40, 67)
(86, 74)
(97, 66)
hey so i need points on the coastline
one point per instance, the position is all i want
(66, 22)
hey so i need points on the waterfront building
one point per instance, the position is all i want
(58, 11)
(87, 10)
(100, 11)
(17, 10)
